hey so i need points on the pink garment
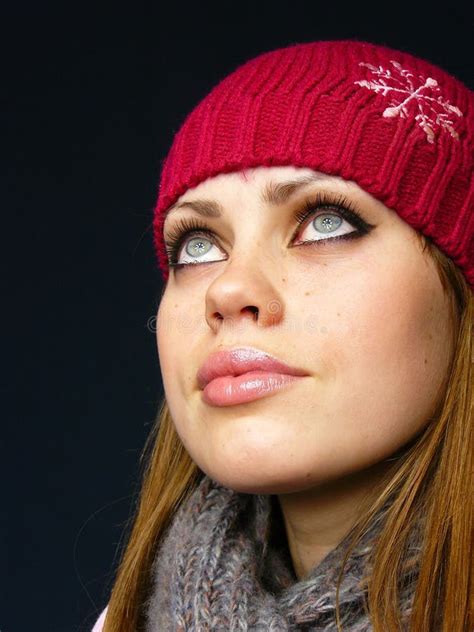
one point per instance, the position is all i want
(100, 621)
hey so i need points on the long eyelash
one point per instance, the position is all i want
(179, 232)
(338, 202)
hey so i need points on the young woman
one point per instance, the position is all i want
(311, 465)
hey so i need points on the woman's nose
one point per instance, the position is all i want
(243, 292)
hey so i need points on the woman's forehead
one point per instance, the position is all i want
(274, 171)
(263, 177)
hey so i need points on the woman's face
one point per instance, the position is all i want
(366, 319)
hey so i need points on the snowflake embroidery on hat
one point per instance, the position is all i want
(433, 110)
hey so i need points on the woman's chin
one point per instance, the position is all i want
(251, 478)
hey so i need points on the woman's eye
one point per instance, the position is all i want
(193, 243)
(196, 249)
(326, 225)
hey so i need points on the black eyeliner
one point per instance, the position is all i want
(322, 200)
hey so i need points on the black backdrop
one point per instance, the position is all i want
(91, 97)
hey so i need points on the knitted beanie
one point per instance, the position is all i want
(397, 125)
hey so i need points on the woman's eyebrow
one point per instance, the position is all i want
(274, 193)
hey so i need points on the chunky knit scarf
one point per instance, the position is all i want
(222, 565)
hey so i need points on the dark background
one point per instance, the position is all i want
(91, 97)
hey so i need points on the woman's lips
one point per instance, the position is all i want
(236, 361)
(229, 391)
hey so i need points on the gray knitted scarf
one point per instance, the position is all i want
(223, 565)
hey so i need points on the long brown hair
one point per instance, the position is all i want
(431, 481)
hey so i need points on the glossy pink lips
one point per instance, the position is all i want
(228, 391)
(243, 375)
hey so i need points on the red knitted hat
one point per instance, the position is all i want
(399, 126)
